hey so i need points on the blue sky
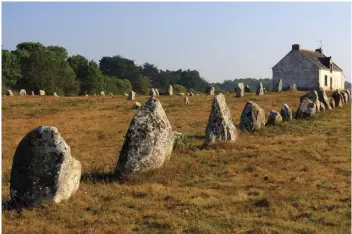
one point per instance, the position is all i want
(220, 40)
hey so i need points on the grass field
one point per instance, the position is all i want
(291, 178)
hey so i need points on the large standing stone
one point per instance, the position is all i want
(274, 118)
(152, 92)
(156, 92)
(170, 90)
(102, 93)
(43, 168)
(23, 92)
(306, 108)
(9, 93)
(313, 96)
(337, 97)
(331, 102)
(131, 95)
(41, 92)
(323, 98)
(252, 117)
(220, 126)
(260, 90)
(148, 142)
(240, 90)
(278, 87)
(211, 91)
(286, 113)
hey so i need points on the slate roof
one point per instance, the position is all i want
(320, 59)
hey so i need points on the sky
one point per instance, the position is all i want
(223, 41)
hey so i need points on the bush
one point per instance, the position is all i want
(179, 89)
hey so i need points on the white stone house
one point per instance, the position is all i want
(308, 70)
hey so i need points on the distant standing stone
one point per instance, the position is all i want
(131, 95)
(323, 98)
(102, 93)
(41, 92)
(344, 97)
(9, 93)
(240, 90)
(260, 90)
(211, 91)
(220, 126)
(111, 94)
(186, 100)
(278, 87)
(43, 168)
(136, 105)
(55, 95)
(286, 113)
(274, 118)
(156, 92)
(252, 117)
(294, 87)
(148, 142)
(306, 108)
(23, 92)
(152, 93)
(322, 107)
(337, 97)
(331, 102)
(170, 90)
(33, 93)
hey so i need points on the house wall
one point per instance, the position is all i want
(338, 80)
(298, 69)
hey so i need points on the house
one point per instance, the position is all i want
(308, 70)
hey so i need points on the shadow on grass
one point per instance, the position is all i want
(102, 177)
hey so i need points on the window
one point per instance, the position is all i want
(326, 80)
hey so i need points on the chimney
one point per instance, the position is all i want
(296, 47)
(320, 50)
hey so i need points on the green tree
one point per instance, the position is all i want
(11, 69)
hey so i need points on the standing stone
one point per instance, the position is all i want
(252, 117)
(131, 95)
(331, 102)
(95, 94)
(322, 108)
(111, 94)
(136, 105)
(348, 94)
(55, 95)
(286, 113)
(9, 93)
(170, 90)
(344, 97)
(240, 90)
(278, 87)
(156, 92)
(23, 92)
(190, 94)
(41, 92)
(323, 98)
(294, 87)
(306, 108)
(313, 96)
(274, 118)
(220, 125)
(260, 90)
(211, 91)
(152, 92)
(148, 142)
(337, 97)
(43, 168)
(102, 93)
(33, 93)
(186, 100)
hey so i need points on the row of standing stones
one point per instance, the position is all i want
(44, 170)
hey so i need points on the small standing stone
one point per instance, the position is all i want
(23, 92)
(260, 90)
(152, 92)
(306, 108)
(9, 93)
(240, 90)
(337, 97)
(42, 93)
(331, 102)
(33, 93)
(286, 113)
(111, 94)
(252, 117)
(170, 90)
(156, 92)
(313, 96)
(102, 93)
(131, 95)
(323, 98)
(278, 86)
(186, 100)
(211, 91)
(274, 118)
(55, 95)
(220, 126)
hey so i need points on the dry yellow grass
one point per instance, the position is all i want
(292, 178)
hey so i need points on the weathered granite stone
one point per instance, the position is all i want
(323, 98)
(260, 90)
(240, 90)
(344, 97)
(148, 142)
(331, 102)
(156, 92)
(131, 95)
(170, 90)
(136, 105)
(152, 92)
(278, 86)
(54, 94)
(186, 100)
(338, 98)
(42, 93)
(102, 93)
(306, 108)
(348, 94)
(220, 125)
(23, 92)
(43, 168)
(9, 93)
(286, 113)
(274, 118)
(313, 96)
(252, 117)
(211, 91)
